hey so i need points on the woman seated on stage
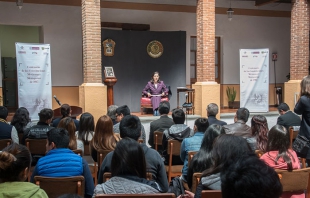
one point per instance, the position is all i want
(155, 89)
(128, 171)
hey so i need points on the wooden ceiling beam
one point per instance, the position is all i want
(263, 2)
(126, 26)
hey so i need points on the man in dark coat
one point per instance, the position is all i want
(212, 111)
(164, 122)
(240, 128)
(287, 118)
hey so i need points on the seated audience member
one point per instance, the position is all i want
(128, 171)
(60, 161)
(21, 120)
(86, 129)
(192, 143)
(249, 177)
(259, 128)
(178, 131)
(240, 128)
(164, 122)
(202, 160)
(68, 124)
(65, 111)
(39, 131)
(278, 154)
(287, 118)
(104, 138)
(121, 112)
(225, 148)
(111, 113)
(7, 131)
(212, 111)
(15, 163)
(130, 126)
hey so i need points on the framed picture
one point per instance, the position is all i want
(108, 72)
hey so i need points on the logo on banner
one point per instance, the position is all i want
(44, 48)
(22, 52)
(34, 48)
(254, 52)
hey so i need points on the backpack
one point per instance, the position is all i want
(176, 186)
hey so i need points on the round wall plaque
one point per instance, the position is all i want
(155, 49)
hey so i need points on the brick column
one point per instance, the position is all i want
(92, 93)
(299, 40)
(299, 58)
(206, 89)
(205, 40)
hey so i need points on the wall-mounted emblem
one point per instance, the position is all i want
(155, 49)
(108, 47)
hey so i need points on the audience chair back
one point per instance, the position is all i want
(140, 141)
(107, 176)
(293, 135)
(87, 149)
(295, 181)
(195, 181)
(78, 151)
(211, 194)
(101, 155)
(36, 146)
(160, 195)
(174, 148)
(190, 156)
(4, 143)
(158, 139)
(54, 187)
(259, 153)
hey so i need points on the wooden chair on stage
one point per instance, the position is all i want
(295, 181)
(174, 147)
(37, 147)
(158, 139)
(4, 143)
(159, 195)
(56, 186)
(293, 135)
(211, 194)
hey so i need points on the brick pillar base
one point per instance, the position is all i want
(291, 88)
(93, 99)
(206, 93)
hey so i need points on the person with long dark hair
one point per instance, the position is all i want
(226, 149)
(21, 120)
(278, 154)
(128, 170)
(202, 160)
(104, 137)
(15, 161)
(86, 129)
(155, 89)
(259, 127)
(68, 124)
(65, 111)
(302, 107)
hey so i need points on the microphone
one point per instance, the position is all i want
(186, 95)
(57, 100)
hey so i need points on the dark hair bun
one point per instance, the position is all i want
(6, 160)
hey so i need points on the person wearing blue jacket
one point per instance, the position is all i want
(60, 161)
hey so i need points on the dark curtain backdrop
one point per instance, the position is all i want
(133, 67)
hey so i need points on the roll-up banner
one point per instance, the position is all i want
(254, 79)
(34, 77)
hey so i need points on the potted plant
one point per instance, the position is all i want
(231, 95)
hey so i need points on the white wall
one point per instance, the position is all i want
(62, 29)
